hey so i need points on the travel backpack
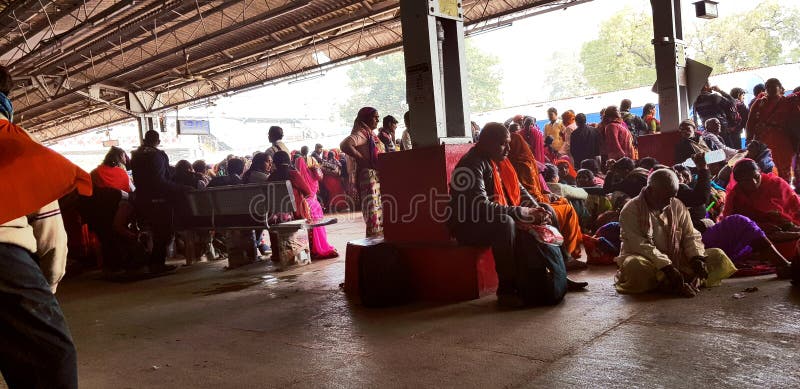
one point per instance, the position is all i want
(541, 277)
(732, 116)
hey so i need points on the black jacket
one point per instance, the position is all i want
(472, 189)
(686, 148)
(712, 105)
(584, 144)
(151, 173)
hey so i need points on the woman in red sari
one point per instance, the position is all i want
(768, 121)
(767, 200)
(332, 181)
(317, 237)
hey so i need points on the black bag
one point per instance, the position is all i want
(383, 278)
(541, 275)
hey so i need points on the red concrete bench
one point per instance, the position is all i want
(437, 272)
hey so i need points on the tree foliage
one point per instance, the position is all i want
(378, 83)
(484, 80)
(766, 36)
(622, 55)
(565, 76)
(381, 83)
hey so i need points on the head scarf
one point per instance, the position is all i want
(522, 157)
(506, 184)
(302, 167)
(568, 118)
(364, 115)
(570, 169)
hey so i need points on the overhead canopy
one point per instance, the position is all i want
(81, 65)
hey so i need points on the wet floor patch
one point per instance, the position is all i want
(265, 280)
(227, 288)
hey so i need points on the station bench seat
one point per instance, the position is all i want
(243, 208)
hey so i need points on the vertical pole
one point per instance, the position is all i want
(431, 74)
(670, 63)
(455, 79)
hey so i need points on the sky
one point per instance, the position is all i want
(523, 49)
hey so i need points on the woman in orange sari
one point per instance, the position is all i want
(524, 164)
(767, 123)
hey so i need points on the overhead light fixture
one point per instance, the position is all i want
(488, 28)
(307, 78)
(706, 9)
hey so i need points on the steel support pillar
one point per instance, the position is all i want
(670, 63)
(436, 85)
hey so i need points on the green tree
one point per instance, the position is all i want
(381, 83)
(484, 78)
(622, 55)
(766, 36)
(565, 76)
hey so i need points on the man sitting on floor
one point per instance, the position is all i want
(487, 202)
(661, 250)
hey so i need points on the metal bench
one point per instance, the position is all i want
(243, 207)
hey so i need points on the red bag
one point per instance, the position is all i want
(545, 234)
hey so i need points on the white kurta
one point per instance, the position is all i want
(652, 244)
(644, 250)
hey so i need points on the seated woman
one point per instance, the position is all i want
(736, 235)
(318, 236)
(594, 167)
(186, 176)
(566, 172)
(769, 202)
(259, 169)
(596, 203)
(524, 164)
(550, 152)
(285, 172)
(112, 172)
(570, 192)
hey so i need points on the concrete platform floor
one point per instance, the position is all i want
(206, 327)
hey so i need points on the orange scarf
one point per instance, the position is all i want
(506, 184)
(33, 175)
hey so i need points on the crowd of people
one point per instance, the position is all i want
(667, 228)
(673, 229)
(318, 181)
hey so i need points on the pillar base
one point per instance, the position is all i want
(440, 272)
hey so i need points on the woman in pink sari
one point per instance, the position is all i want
(317, 237)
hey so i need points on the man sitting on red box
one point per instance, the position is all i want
(487, 201)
